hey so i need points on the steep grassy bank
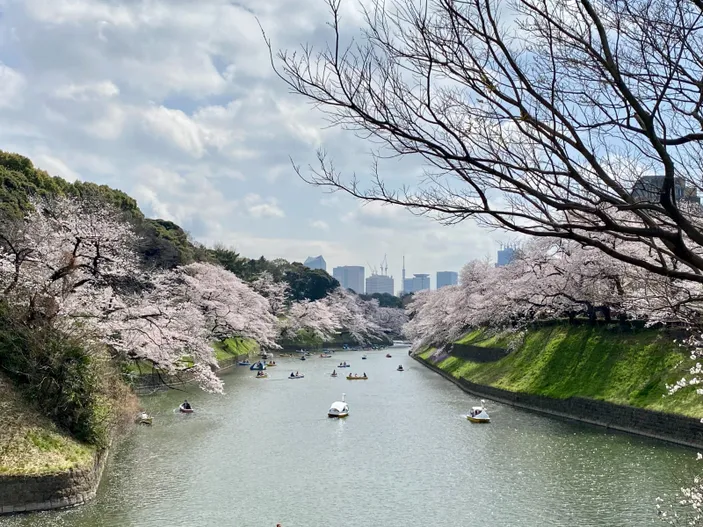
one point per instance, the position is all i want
(30, 444)
(627, 367)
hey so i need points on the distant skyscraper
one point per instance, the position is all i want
(316, 262)
(350, 277)
(379, 283)
(417, 283)
(505, 256)
(445, 278)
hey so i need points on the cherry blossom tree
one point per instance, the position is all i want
(276, 293)
(71, 263)
(315, 317)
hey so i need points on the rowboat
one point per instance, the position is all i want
(244, 363)
(388, 355)
(271, 364)
(400, 368)
(258, 366)
(325, 356)
(363, 357)
(296, 376)
(356, 378)
(185, 410)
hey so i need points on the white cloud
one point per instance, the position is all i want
(259, 207)
(86, 92)
(320, 224)
(11, 84)
(55, 167)
(176, 127)
(178, 107)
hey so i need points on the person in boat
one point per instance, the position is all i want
(291, 374)
(364, 374)
(186, 405)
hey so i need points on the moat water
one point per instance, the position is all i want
(266, 453)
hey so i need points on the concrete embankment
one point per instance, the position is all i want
(27, 493)
(601, 376)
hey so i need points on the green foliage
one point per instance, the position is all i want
(20, 180)
(67, 381)
(30, 443)
(622, 366)
(385, 300)
(234, 347)
(310, 284)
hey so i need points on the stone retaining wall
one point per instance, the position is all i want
(54, 491)
(667, 427)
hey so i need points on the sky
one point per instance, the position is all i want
(175, 103)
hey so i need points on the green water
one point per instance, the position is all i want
(266, 452)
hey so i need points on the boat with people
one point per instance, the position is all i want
(334, 373)
(388, 355)
(339, 408)
(325, 355)
(185, 408)
(355, 377)
(400, 367)
(244, 363)
(363, 357)
(145, 419)
(258, 366)
(478, 414)
(271, 364)
(303, 358)
(296, 375)
(344, 365)
(261, 374)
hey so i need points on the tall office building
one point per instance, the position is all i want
(648, 189)
(315, 262)
(445, 278)
(417, 283)
(505, 256)
(379, 283)
(350, 277)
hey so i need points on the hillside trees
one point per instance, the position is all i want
(71, 264)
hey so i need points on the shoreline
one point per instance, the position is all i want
(671, 428)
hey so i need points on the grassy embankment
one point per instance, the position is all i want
(30, 444)
(234, 347)
(628, 367)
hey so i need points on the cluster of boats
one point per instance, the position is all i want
(478, 414)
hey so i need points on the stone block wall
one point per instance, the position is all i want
(668, 427)
(53, 491)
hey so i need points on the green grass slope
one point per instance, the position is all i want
(630, 367)
(30, 444)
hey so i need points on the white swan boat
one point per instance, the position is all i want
(478, 414)
(339, 408)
